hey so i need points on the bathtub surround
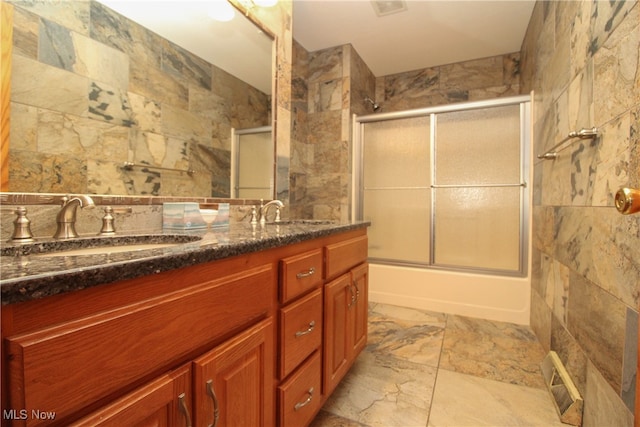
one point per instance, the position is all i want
(330, 86)
(581, 60)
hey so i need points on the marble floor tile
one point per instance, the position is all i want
(327, 419)
(422, 368)
(494, 350)
(466, 400)
(405, 333)
(382, 391)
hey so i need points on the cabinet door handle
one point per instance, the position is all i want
(214, 399)
(355, 284)
(306, 402)
(353, 295)
(311, 327)
(307, 273)
(184, 409)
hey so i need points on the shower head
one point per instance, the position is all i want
(373, 103)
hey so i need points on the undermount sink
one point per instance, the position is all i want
(99, 245)
(303, 222)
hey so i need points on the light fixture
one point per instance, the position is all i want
(221, 10)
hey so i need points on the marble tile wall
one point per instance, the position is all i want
(329, 86)
(91, 90)
(475, 80)
(581, 59)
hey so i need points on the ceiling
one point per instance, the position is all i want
(428, 33)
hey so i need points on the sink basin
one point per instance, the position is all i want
(107, 249)
(99, 245)
(303, 222)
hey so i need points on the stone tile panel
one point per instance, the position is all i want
(597, 320)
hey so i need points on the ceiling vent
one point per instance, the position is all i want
(388, 7)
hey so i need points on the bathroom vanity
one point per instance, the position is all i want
(250, 327)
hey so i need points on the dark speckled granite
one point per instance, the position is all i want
(27, 277)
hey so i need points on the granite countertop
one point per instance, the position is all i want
(25, 276)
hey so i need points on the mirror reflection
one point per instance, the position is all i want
(92, 90)
(251, 175)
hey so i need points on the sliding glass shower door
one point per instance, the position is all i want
(252, 163)
(396, 189)
(445, 187)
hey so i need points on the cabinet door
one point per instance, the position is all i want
(234, 382)
(346, 316)
(359, 310)
(165, 401)
(338, 298)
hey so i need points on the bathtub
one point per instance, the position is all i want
(505, 299)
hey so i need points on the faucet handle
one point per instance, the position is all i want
(108, 220)
(277, 218)
(21, 226)
(254, 215)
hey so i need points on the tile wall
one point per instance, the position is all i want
(91, 90)
(485, 78)
(328, 87)
(581, 58)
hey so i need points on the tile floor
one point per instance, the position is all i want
(430, 369)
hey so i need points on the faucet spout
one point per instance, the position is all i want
(265, 208)
(66, 218)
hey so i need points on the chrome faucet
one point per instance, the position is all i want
(265, 208)
(66, 218)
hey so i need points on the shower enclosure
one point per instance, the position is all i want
(445, 188)
(252, 163)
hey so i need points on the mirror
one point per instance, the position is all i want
(101, 104)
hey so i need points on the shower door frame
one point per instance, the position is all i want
(357, 212)
(235, 160)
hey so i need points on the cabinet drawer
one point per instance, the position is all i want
(300, 273)
(299, 398)
(69, 366)
(300, 331)
(342, 256)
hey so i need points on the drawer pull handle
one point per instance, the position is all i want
(184, 409)
(310, 329)
(308, 273)
(306, 402)
(214, 399)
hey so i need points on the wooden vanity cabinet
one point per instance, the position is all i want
(345, 308)
(323, 323)
(301, 335)
(255, 340)
(109, 353)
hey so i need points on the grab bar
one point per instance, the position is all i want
(581, 134)
(521, 184)
(131, 165)
(518, 184)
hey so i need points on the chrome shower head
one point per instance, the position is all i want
(373, 103)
